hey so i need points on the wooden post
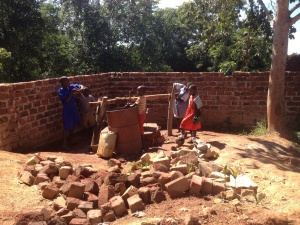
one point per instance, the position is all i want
(170, 112)
(103, 109)
(99, 118)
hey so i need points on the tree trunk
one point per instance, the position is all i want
(275, 101)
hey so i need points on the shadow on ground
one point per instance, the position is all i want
(269, 152)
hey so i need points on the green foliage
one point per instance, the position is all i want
(133, 166)
(259, 197)
(144, 165)
(260, 128)
(225, 170)
(190, 168)
(228, 67)
(4, 57)
(235, 174)
(21, 34)
(67, 37)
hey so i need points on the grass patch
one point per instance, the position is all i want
(260, 128)
(297, 135)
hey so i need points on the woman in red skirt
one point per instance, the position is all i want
(191, 120)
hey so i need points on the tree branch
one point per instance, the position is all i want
(270, 17)
(294, 8)
(295, 19)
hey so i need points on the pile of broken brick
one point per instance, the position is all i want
(84, 195)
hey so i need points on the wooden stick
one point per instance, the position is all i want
(133, 99)
(103, 109)
(99, 119)
(157, 97)
(170, 112)
(96, 119)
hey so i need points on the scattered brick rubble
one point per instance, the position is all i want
(84, 195)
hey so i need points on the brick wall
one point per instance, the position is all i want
(30, 113)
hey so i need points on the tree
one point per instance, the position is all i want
(55, 58)
(21, 33)
(4, 56)
(282, 28)
(220, 40)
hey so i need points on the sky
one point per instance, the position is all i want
(294, 44)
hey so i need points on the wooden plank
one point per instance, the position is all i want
(103, 109)
(96, 119)
(157, 97)
(99, 118)
(170, 112)
(133, 99)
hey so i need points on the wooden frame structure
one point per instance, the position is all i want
(103, 102)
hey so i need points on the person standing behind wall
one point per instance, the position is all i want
(87, 111)
(70, 114)
(181, 102)
(191, 120)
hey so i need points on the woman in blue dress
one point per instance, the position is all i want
(70, 114)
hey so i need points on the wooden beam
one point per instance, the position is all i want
(103, 108)
(133, 99)
(100, 112)
(157, 97)
(170, 112)
(98, 103)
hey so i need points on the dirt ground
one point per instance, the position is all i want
(265, 159)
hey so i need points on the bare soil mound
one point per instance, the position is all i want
(265, 159)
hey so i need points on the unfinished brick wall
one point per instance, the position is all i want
(30, 113)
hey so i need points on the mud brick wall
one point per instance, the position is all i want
(238, 100)
(30, 113)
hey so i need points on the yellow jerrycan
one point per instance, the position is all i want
(107, 142)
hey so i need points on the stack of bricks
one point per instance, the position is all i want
(30, 112)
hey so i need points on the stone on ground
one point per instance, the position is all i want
(78, 221)
(76, 190)
(64, 172)
(144, 193)
(176, 187)
(106, 192)
(118, 205)
(195, 185)
(94, 217)
(27, 178)
(135, 203)
(206, 186)
(50, 192)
